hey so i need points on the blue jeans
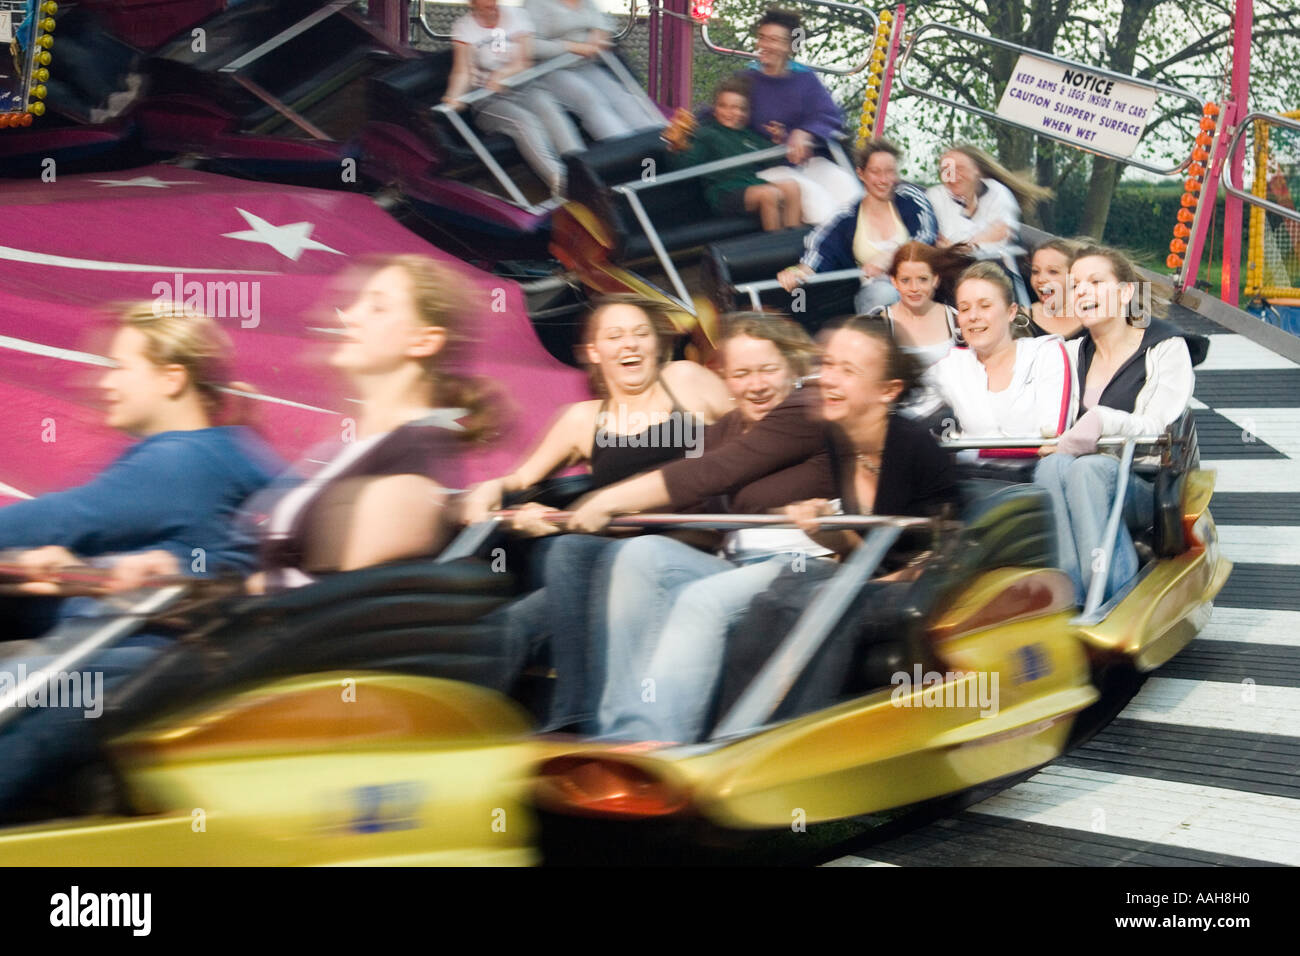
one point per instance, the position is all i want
(875, 294)
(1082, 492)
(670, 606)
(567, 613)
(41, 743)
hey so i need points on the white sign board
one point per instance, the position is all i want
(1077, 105)
(6, 27)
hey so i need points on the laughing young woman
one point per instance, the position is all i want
(1134, 377)
(647, 403)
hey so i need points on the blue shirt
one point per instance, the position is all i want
(177, 491)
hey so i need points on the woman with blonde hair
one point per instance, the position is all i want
(979, 202)
(371, 500)
(177, 490)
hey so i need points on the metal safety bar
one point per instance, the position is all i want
(760, 700)
(831, 4)
(287, 34)
(476, 144)
(1051, 58)
(730, 522)
(963, 444)
(110, 632)
(1097, 586)
(422, 18)
(755, 289)
(1226, 174)
(629, 190)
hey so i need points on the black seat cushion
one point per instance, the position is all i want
(754, 258)
(406, 94)
(420, 617)
(677, 210)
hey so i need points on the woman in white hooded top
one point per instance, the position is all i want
(1133, 377)
(998, 385)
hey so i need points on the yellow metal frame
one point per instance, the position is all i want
(1255, 242)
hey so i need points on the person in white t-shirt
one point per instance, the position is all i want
(999, 385)
(979, 203)
(492, 43)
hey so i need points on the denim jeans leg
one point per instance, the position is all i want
(644, 575)
(688, 654)
(574, 580)
(1090, 493)
(42, 742)
(1050, 474)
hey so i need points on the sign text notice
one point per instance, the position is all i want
(1077, 105)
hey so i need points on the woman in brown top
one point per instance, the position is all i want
(764, 356)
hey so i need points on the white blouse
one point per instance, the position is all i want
(1038, 403)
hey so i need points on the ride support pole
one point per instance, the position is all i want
(393, 17)
(1243, 21)
(887, 82)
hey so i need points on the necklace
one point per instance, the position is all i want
(869, 462)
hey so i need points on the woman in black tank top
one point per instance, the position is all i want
(616, 455)
(640, 422)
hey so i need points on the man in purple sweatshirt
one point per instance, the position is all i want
(789, 104)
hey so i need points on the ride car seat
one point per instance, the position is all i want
(419, 617)
(678, 211)
(758, 257)
(405, 95)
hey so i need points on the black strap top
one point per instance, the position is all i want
(616, 456)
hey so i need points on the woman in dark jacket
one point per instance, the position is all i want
(868, 234)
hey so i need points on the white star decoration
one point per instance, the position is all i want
(290, 241)
(148, 182)
(446, 418)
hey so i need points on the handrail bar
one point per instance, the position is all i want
(1097, 586)
(1226, 174)
(422, 19)
(837, 71)
(730, 522)
(992, 441)
(471, 139)
(758, 286)
(702, 169)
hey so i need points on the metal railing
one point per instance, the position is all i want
(484, 155)
(422, 18)
(287, 34)
(629, 191)
(1225, 174)
(1093, 610)
(830, 4)
(521, 78)
(755, 289)
(1051, 58)
(994, 441)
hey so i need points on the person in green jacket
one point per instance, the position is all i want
(738, 190)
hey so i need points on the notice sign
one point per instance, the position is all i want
(1077, 105)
